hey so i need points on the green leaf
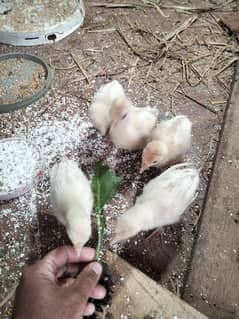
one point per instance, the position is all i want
(104, 184)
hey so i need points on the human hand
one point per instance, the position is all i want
(42, 294)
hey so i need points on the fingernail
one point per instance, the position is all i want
(96, 267)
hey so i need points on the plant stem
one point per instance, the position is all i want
(100, 232)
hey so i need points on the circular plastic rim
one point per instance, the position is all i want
(5, 108)
(37, 37)
(23, 189)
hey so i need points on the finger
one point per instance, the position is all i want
(87, 281)
(99, 292)
(60, 257)
(89, 310)
(87, 254)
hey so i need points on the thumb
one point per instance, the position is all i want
(88, 279)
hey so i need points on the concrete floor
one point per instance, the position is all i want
(58, 125)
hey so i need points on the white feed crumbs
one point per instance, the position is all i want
(18, 164)
(58, 138)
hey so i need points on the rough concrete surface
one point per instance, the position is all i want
(179, 72)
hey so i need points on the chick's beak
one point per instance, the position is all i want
(112, 126)
(143, 168)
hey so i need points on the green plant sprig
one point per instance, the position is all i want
(104, 187)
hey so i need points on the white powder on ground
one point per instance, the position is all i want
(68, 133)
(18, 164)
(58, 138)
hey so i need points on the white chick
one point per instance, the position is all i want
(163, 201)
(169, 142)
(131, 126)
(72, 200)
(99, 110)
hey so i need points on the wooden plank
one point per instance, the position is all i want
(213, 282)
(136, 296)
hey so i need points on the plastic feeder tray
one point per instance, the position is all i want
(24, 78)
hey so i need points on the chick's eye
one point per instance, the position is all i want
(124, 116)
(155, 162)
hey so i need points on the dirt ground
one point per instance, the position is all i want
(181, 62)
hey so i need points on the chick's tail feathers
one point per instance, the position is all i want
(189, 179)
(122, 234)
(124, 230)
